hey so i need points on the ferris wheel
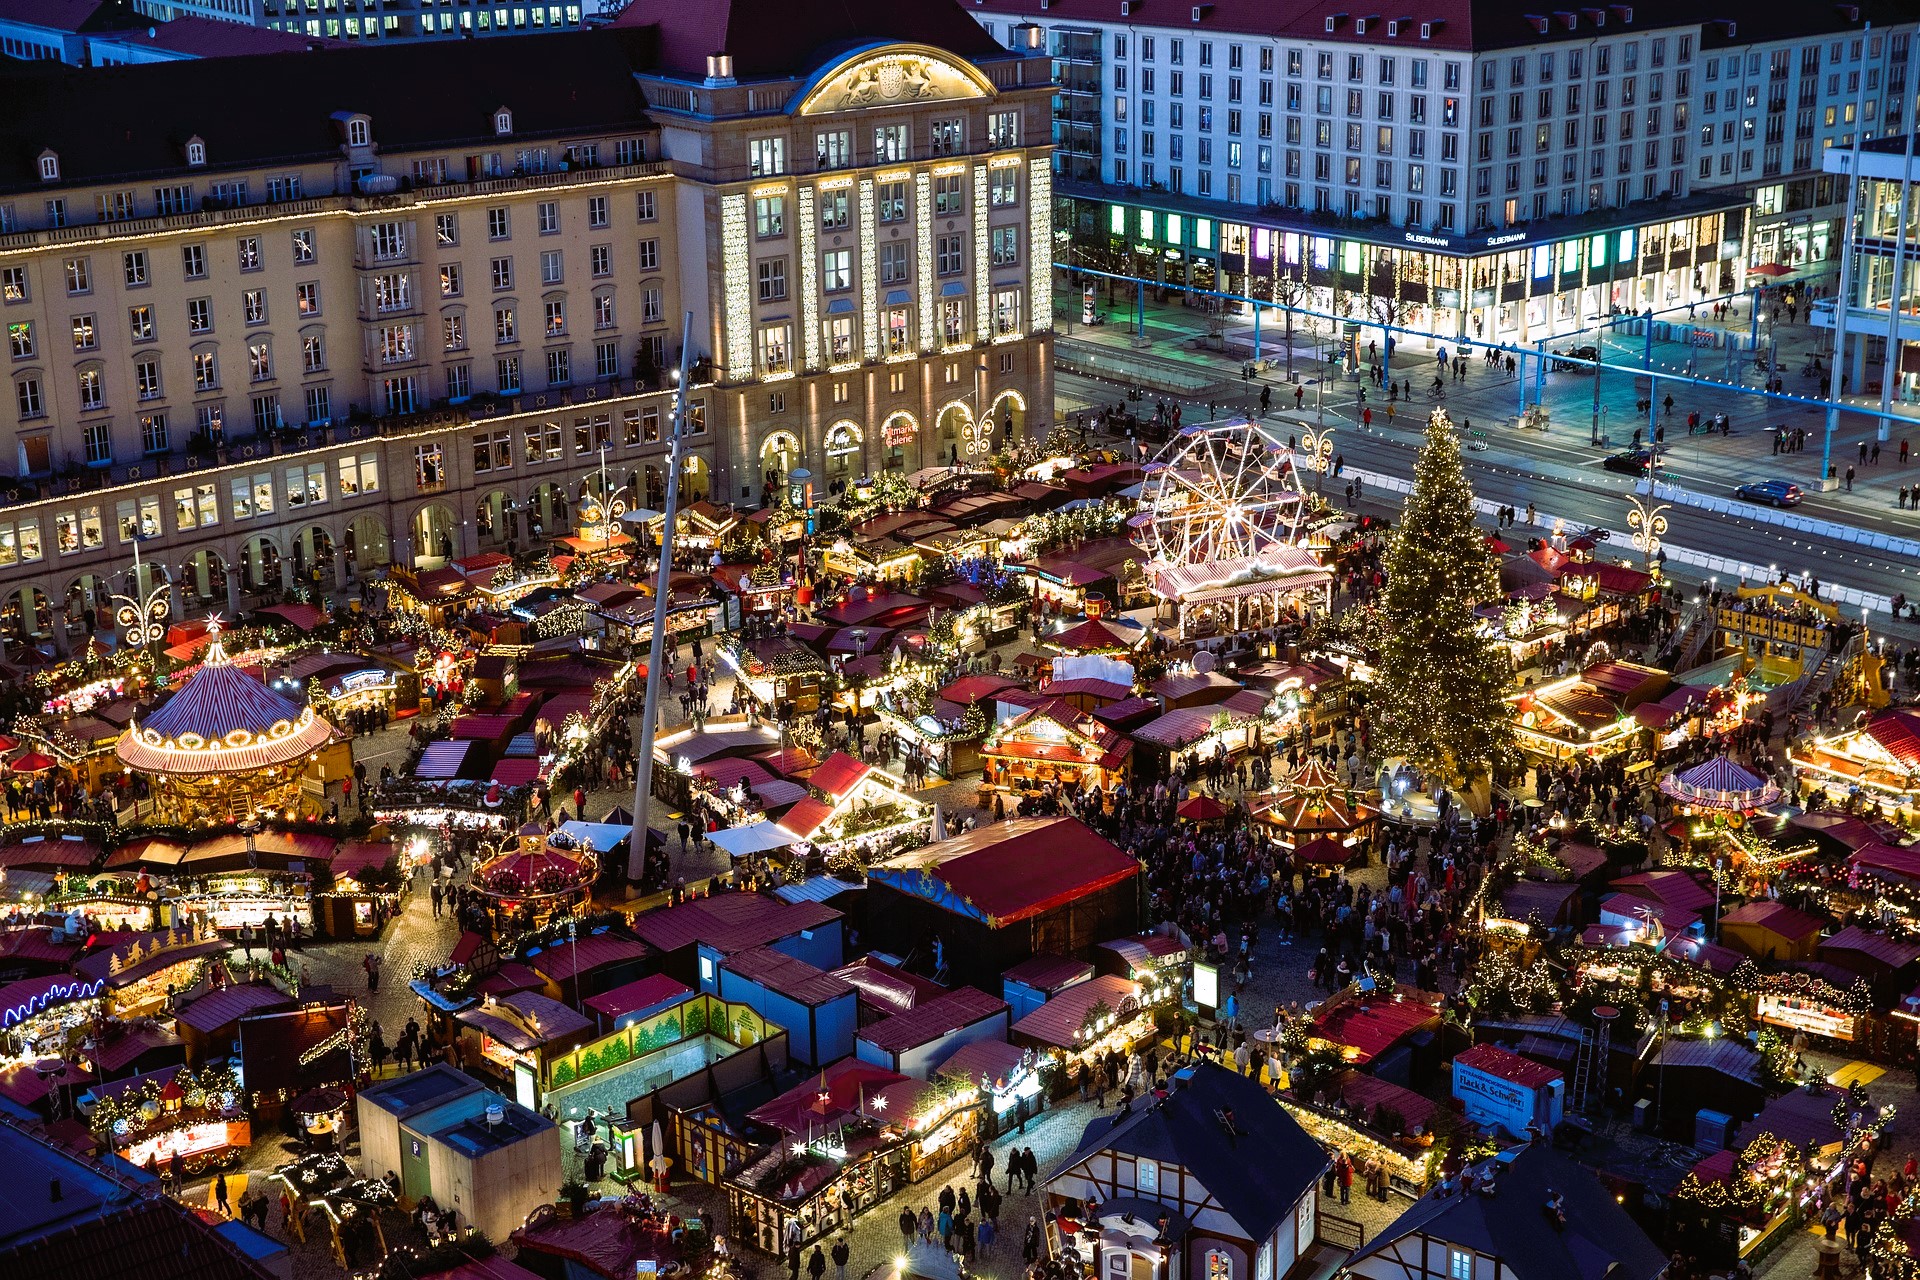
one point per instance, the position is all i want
(1219, 491)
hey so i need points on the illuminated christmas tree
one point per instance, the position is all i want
(1441, 679)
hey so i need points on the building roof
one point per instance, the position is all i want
(556, 83)
(220, 1008)
(563, 960)
(106, 1224)
(1059, 1020)
(525, 1020)
(1495, 1061)
(1675, 888)
(1047, 972)
(787, 976)
(1774, 917)
(1371, 1027)
(1009, 871)
(1890, 952)
(886, 987)
(730, 922)
(982, 1062)
(1728, 1057)
(1802, 1118)
(928, 1020)
(838, 774)
(654, 991)
(420, 1090)
(1257, 1173)
(1508, 1224)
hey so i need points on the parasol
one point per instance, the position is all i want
(1202, 808)
(1322, 852)
(32, 762)
(1722, 785)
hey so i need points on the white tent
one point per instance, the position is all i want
(755, 837)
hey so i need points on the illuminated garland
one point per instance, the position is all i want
(1766, 1168)
(216, 1081)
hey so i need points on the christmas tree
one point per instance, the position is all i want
(1440, 681)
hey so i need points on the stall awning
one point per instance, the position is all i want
(516, 771)
(757, 837)
(442, 760)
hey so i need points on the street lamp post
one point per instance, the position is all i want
(1648, 521)
(1318, 444)
(142, 613)
(608, 504)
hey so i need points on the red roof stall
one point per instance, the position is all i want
(694, 937)
(1004, 893)
(637, 1001)
(915, 1042)
(1510, 1092)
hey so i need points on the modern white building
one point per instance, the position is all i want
(1486, 170)
(1879, 345)
(389, 20)
(1776, 90)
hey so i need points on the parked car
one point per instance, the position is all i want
(1588, 352)
(1777, 493)
(1632, 462)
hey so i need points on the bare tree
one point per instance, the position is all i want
(1288, 293)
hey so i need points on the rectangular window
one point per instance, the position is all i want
(259, 360)
(153, 433)
(649, 255)
(834, 209)
(446, 229)
(499, 224)
(833, 149)
(501, 270)
(146, 379)
(836, 270)
(137, 518)
(1004, 187)
(20, 543)
(507, 374)
(949, 197)
(548, 215)
(206, 371)
(84, 336)
(889, 143)
(559, 367)
(767, 157)
(772, 274)
(893, 262)
(134, 268)
(361, 474)
(78, 530)
(891, 201)
(950, 258)
(1006, 312)
(769, 216)
(644, 208)
(1006, 246)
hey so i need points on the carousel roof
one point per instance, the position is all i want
(223, 721)
(520, 872)
(1313, 799)
(1720, 784)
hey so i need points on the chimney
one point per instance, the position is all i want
(719, 68)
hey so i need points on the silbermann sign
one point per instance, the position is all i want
(1446, 242)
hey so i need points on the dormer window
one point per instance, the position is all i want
(196, 152)
(502, 122)
(49, 166)
(359, 132)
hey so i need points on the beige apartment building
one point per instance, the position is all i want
(417, 306)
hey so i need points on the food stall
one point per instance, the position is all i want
(230, 900)
(1803, 1002)
(1084, 1023)
(140, 974)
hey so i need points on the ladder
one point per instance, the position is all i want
(1583, 1069)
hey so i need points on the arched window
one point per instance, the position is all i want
(196, 152)
(49, 167)
(1219, 1265)
(843, 446)
(503, 122)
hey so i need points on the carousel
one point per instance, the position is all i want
(1720, 788)
(533, 875)
(1318, 815)
(225, 747)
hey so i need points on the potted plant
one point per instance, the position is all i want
(575, 1192)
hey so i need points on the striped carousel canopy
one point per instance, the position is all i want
(223, 721)
(1720, 784)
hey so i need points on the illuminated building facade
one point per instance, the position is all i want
(404, 327)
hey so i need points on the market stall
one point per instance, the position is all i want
(150, 1119)
(232, 900)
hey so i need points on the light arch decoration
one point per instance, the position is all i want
(889, 76)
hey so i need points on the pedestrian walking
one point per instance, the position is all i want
(220, 1194)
